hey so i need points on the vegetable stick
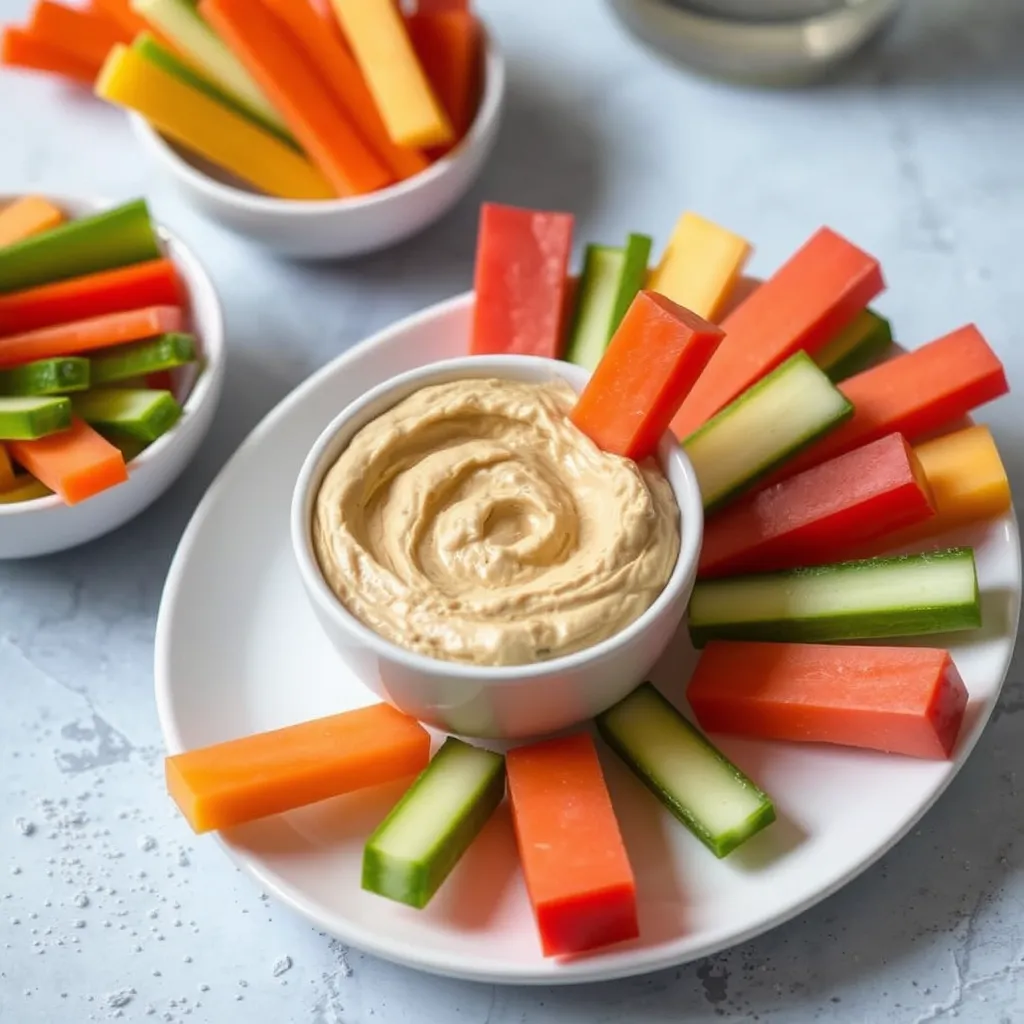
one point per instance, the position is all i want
(577, 871)
(522, 259)
(824, 514)
(180, 22)
(77, 463)
(204, 126)
(700, 266)
(139, 412)
(102, 241)
(655, 356)
(78, 31)
(26, 417)
(140, 358)
(46, 377)
(21, 49)
(28, 216)
(860, 344)
(278, 64)
(86, 335)
(148, 46)
(6, 470)
(914, 394)
(24, 488)
(153, 283)
(804, 303)
(901, 700)
(380, 43)
(120, 11)
(447, 44)
(339, 71)
(226, 784)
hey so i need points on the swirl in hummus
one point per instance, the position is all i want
(474, 522)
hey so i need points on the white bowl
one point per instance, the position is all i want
(46, 525)
(338, 228)
(505, 702)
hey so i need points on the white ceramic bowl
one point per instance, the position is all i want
(46, 525)
(506, 702)
(338, 228)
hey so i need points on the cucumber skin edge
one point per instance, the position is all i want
(761, 818)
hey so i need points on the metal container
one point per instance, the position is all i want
(764, 42)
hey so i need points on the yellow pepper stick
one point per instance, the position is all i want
(380, 43)
(700, 265)
(25, 488)
(206, 127)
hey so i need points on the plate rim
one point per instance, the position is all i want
(582, 971)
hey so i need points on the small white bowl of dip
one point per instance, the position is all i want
(503, 701)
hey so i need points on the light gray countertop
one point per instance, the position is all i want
(109, 909)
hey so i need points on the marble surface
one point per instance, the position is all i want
(109, 909)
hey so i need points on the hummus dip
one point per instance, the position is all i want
(474, 522)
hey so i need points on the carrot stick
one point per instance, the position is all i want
(447, 44)
(577, 871)
(337, 67)
(241, 780)
(657, 353)
(75, 30)
(6, 470)
(902, 700)
(75, 463)
(275, 59)
(20, 49)
(87, 335)
(120, 11)
(154, 283)
(28, 216)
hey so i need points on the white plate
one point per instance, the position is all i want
(238, 651)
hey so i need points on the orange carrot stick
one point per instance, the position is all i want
(75, 463)
(340, 72)
(28, 216)
(154, 283)
(130, 23)
(6, 470)
(657, 353)
(242, 780)
(20, 49)
(275, 59)
(447, 44)
(89, 35)
(902, 700)
(87, 335)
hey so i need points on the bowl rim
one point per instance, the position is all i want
(195, 277)
(310, 476)
(491, 100)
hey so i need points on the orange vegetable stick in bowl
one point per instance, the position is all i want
(28, 216)
(227, 784)
(121, 13)
(75, 463)
(6, 470)
(154, 283)
(656, 355)
(21, 49)
(341, 74)
(75, 30)
(87, 335)
(275, 59)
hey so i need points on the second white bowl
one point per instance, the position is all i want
(505, 702)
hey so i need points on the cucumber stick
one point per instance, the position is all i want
(88, 245)
(610, 280)
(138, 358)
(184, 26)
(908, 595)
(139, 412)
(46, 377)
(26, 418)
(692, 778)
(421, 840)
(149, 49)
(769, 423)
(855, 347)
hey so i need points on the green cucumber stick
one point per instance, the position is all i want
(141, 413)
(104, 241)
(855, 347)
(24, 418)
(149, 49)
(46, 377)
(138, 358)
(184, 26)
